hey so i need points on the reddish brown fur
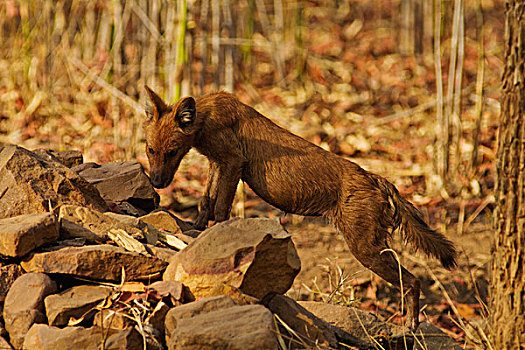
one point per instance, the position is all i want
(292, 174)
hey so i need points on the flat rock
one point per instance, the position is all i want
(21, 234)
(44, 337)
(73, 302)
(311, 329)
(163, 220)
(30, 183)
(77, 221)
(255, 255)
(97, 262)
(24, 304)
(122, 182)
(116, 319)
(237, 327)
(8, 275)
(4, 344)
(431, 337)
(69, 158)
(360, 325)
(193, 309)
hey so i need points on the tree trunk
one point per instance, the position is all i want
(508, 272)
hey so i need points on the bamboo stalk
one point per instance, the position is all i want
(169, 57)
(456, 114)
(182, 7)
(204, 44)
(479, 87)
(442, 130)
(228, 57)
(215, 46)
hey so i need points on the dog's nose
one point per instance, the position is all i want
(156, 180)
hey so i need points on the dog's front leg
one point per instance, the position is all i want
(229, 174)
(209, 198)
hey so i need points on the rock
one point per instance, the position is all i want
(164, 220)
(116, 319)
(311, 329)
(32, 184)
(237, 327)
(8, 274)
(255, 255)
(360, 325)
(162, 253)
(177, 292)
(193, 309)
(74, 302)
(122, 182)
(42, 337)
(431, 337)
(77, 221)
(4, 344)
(155, 322)
(68, 158)
(21, 234)
(24, 304)
(100, 262)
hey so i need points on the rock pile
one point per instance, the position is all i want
(87, 261)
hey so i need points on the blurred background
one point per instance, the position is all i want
(406, 88)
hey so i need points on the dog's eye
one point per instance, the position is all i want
(151, 151)
(172, 153)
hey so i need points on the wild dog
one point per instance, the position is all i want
(293, 175)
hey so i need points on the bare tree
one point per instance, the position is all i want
(508, 272)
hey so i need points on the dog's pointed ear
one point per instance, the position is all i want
(156, 107)
(186, 112)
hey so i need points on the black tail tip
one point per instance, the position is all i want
(449, 262)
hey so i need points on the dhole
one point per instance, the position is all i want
(292, 174)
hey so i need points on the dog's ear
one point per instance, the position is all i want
(156, 106)
(185, 112)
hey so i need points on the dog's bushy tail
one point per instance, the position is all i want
(416, 231)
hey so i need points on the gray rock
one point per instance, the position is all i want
(21, 234)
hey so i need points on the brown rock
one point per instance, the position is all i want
(68, 158)
(163, 220)
(238, 327)
(77, 221)
(43, 337)
(8, 274)
(174, 289)
(311, 329)
(32, 184)
(193, 309)
(21, 234)
(122, 181)
(165, 254)
(255, 255)
(360, 325)
(4, 344)
(74, 302)
(100, 262)
(431, 337)
(24, 304)
(107, 318)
